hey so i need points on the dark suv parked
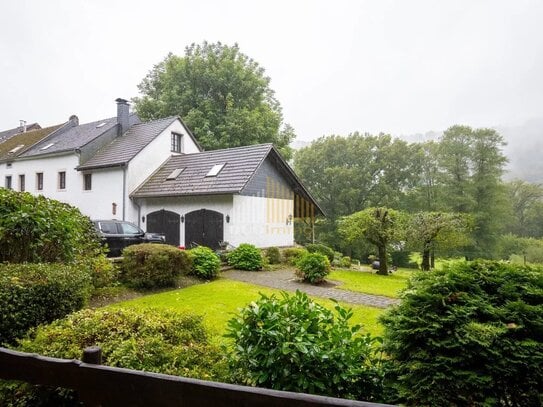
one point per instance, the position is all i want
(118, 234)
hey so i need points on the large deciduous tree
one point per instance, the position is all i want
(379, 226)
(221, 94)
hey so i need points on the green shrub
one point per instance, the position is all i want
(205, 263)
(148, 265)
(245, 257)
(346, 262)
(153, 340)
(313, 267)
(292, 343)
(37, 229)
(102, 270)
(293, 254)
(33, 294)
(401, 259)
(322, 249)
(470, 334)
(274, 255)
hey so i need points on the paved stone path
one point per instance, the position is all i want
(287, 281)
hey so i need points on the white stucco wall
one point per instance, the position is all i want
(255, 220)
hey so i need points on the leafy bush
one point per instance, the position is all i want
(37, 229)
(274, 255)
(346, 262)
(152, 340)
(292, 343)
(102, 271)
(245, 257)
(33, 294)
(401, 259)
(322, 249)
(205, 263)
(151, 265)
(293, 254)
(313, 267)
(470, 334)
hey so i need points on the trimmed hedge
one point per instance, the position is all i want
(470, 334)
(148, 265)
(245, 257)
(153, 340)
(33, 294)
(322, 249)
(205, 263)
(274, 255)
(41, 230)
(313, 267)
(293, 254)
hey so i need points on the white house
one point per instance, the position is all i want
(155, 175)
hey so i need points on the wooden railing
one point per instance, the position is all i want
(99, 385)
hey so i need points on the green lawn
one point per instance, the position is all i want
(371, 283)
(217, 301)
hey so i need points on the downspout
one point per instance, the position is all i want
(124, 192)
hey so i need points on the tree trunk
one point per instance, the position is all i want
(425, 260)
(432, 259)
(383, 269)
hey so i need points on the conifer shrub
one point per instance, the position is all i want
(293, 254)
(245, 257)
(153, 340)
(148, 265)
(322, 249)
(274, 255)
(34, 294)
(205, 263)
(470, 334)
(313, 267)
(292, 343)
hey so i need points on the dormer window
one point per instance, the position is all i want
(175, 173)
(177, 140)
(214, 171)
(47, 146)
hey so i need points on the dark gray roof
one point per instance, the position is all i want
(75, 137)
(121, 150)
(7, 134)
(241, 164)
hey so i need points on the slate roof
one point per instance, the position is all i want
(75, 137)
(26, 140)
(7, 134)
(121, 150)
(241, 163)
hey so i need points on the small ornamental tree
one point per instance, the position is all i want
(470, 334)
(292, 343)
(378, 226)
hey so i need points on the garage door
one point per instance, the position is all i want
(165, 222)
(204, 227)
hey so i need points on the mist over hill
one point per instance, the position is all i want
(524, 148)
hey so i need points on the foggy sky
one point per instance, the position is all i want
(399, 67)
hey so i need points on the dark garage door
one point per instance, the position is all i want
(204, 227)
(164, 222)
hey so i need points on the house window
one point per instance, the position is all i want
(8, 181)
(176, 143)
(62, 180)
(21, 182)
(87, 182)
(39, 181)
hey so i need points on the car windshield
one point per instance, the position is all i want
(129, 229)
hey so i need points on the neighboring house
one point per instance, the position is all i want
(155, 174)
(6, 134)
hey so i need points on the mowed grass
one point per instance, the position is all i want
(219, 300)
(371, 283)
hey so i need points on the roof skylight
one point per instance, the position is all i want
(47, 146)
(175, 173)
(101, 125)
(214, 171)
(15, 149)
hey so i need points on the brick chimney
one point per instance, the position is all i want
(123, 111)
